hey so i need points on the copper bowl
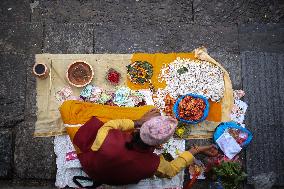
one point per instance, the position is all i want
(79, 73)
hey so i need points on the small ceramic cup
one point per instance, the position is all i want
(40, 70)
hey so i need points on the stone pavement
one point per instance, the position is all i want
(239, 34)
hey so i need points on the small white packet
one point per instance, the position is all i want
(228, 145)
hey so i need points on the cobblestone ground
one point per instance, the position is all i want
(239, 34)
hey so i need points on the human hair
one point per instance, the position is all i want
(136, 141)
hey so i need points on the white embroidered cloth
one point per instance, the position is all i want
(68, 167)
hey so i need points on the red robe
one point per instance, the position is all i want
(113, 163)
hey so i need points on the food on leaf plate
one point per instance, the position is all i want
(140, 72)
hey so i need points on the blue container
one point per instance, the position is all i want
(205, 113)
(222, 127)
(216, 185)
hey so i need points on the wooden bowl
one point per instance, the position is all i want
(79, 73)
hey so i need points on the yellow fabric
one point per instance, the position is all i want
(228, 99)
(121, 124)
(205, 129)
(77, 112)
(158, 60)
(219, 112)
(49, 122)
(71, 131)
(168, 169)
(215, 111)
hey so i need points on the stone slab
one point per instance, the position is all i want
(15, 11)
(128, 12)
(247, 186)
(63, 11)
(34, 158)
(27, 184)
(262, 37)
(68, 38)
(134, 13)
(119, 38)
(264, 86)
(25, 38)
(12, 88)
(217, 37)
(6, 155)
(237, 12)
(30, 103)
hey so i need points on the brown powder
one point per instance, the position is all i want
(79, 73)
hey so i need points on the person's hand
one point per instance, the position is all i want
(148, 115)
(209, 150)
(194, 150)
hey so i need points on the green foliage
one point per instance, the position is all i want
(182, 70)
(230, 173)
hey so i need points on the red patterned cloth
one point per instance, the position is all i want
(113, 163)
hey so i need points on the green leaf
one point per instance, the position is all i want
(231, 174)
(182, 70)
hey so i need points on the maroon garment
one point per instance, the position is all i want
(113, 163)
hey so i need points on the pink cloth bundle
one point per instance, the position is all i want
(158, 130)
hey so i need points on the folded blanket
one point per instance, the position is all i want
(78, 112)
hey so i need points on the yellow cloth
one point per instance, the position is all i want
(219, 112)
(215, 111)
(165, 169)
(49, 122)
(77, 112)
(71, 131)
(158, 60)
(170, 169)
(121, 124)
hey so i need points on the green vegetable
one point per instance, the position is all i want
(230, 173)
(182, 70)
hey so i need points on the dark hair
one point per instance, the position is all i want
(136, 141)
